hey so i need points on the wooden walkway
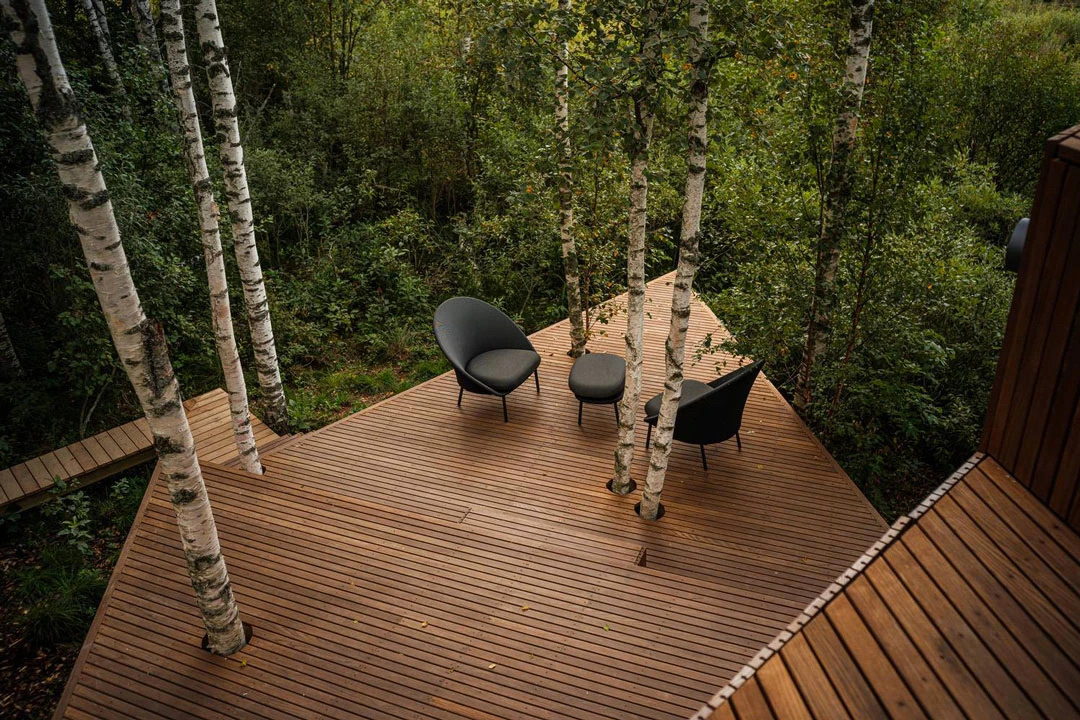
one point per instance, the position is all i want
(113, 451)
(970, 610)
(423, 561)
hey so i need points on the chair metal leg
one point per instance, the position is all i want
(738, 440)
(648, 437)
(505, 417)
(579, 405)
(460, 392)
(703, 463)
(536, 374)
(616, 406)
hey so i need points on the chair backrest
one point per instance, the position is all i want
(716, 416)
(465, 327)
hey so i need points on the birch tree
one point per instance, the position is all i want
(834, 218)
(144, 27)
(566, 191)
(643, 113)
(675, 346)
(9, 359)
(224, 338)
(139, 341)
(99, 29)
(227, 129)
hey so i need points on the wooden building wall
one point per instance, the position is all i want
(1033, 421)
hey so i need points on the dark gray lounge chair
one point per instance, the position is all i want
(708, 412)
(489, 353)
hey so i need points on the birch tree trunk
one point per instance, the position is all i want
(144, 28)
(566, 195)
(639, 145)
(838, 194)
(99, 30)
(9, 359)
(139, 341)
(227, 129)
(675, 347)
(224, 338)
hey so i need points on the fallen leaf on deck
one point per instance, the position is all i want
(491, 666)
(423, 624)
(524, 608)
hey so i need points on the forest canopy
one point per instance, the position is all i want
(401, 152)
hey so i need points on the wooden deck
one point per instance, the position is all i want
(970, 610)
(113, 451)
(419, 560)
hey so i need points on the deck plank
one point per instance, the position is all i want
(116, 449)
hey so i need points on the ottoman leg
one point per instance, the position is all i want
(616, 406)
(579, 405)
(648, 437)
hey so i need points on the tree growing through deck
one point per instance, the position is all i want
(643, 106)
(194, 156)
(227, 130)
(701, 63)
(139, 341)
(564, 24)
(834, 215)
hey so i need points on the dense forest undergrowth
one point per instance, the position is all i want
(401, 152)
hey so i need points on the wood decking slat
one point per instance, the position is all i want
(116, 449)
(971, 609)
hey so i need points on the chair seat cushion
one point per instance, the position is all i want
(503, 370)
(691, 390)
(598, 377)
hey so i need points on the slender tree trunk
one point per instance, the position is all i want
(838, 194)
(227, 129)
(103, 19)
(675, 347)
(9, 359)
(180, 75)
(100, 32)
(566, 192)
(639, 145)
(139, 341)
(144, 27)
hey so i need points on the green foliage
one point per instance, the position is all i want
(400, 154)
(59, 597)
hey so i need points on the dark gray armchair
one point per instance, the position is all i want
(708, 412)
(489, 353)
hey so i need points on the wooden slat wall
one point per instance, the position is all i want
(1033, 422)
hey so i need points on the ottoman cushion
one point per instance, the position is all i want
(598, 377)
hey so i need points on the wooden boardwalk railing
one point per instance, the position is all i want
(113, 451)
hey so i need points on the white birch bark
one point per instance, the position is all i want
(99, 30)
(227, 129)
(224, 338)
(838, 193)
(139, 341)
(9, 359)
(145, 32)
(566, 194)
(639, 143)
(675, 347)
(103, 20)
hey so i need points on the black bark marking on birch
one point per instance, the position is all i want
(183, 497)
